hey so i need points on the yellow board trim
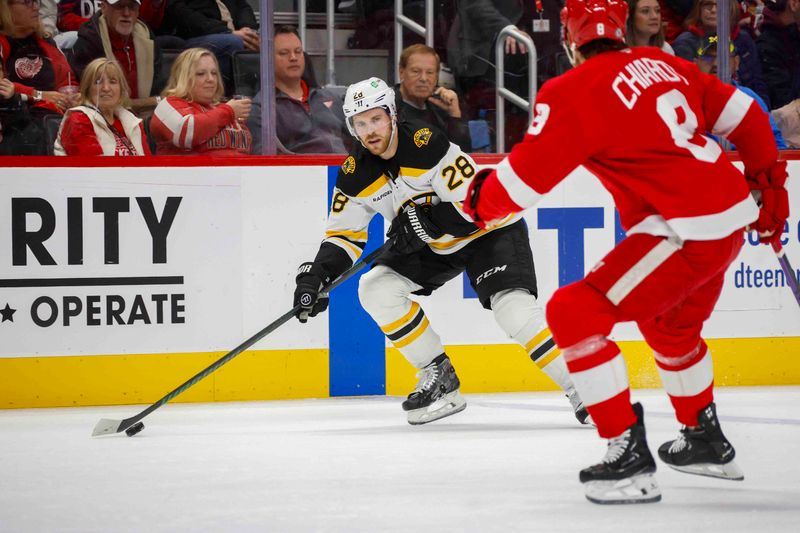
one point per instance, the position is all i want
(374, 187)
(283, 374)
(507, 368)
(388, 328)
(413, 336)
(144, 378)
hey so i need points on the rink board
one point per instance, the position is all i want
(118, 284)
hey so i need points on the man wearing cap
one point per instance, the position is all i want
(706, 60)
(117, 33)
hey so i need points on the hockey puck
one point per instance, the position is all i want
(134, 429)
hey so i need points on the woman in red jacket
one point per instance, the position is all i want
(39, 72)
(191, 120)
(101, 125)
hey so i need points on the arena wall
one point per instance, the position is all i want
(117, 284)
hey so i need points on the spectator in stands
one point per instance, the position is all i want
(101, 125)
(701, 22)
(779, 49)
(222, 26)
(707, 62)
(48, 14)
(117, 33)
(788, 120)
(418, 96)
(673, 13)
(645, 27)
(471, 53)
(38, 70)
(191, 119)
(308, 119)
(72, 14)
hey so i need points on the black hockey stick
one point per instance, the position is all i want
(791, 278)
(132, 425)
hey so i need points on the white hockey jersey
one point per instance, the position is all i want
(427, 170)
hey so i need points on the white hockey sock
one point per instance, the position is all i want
(385, 295)
(518, 313)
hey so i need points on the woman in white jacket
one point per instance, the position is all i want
(101, 125)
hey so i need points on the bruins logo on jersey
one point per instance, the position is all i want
(349, 165)
(421, 137)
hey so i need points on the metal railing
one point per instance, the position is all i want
(401, 21)
(267, 76)
(504, 94)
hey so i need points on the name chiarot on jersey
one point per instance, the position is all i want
(641, 74)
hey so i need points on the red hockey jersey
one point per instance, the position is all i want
(637, 120)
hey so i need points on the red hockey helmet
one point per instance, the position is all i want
(587, 20)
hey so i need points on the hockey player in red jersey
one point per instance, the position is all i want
(635, 118)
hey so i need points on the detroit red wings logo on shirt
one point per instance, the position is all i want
(28, 67)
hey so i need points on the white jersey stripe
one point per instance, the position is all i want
(689, 381)
(733, 113)
(700, 228)
(643, 268)
(517, 189)
(175, 122)
(602, 382)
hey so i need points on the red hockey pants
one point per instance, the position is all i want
(669, 290)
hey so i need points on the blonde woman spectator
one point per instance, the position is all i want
(191, 118)
(645, 27)
(101, 125)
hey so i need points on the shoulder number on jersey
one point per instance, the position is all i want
(455, 173)
(338, 203)
(541, 114)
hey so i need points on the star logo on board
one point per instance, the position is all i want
(7, 313)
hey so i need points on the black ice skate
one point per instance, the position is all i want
(703, 450)
(578, 408)
(626, 473)
(436, 395)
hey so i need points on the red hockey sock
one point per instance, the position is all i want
(689, 382)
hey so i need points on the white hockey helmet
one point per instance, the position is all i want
(365, 95)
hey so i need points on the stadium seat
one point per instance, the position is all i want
(168, 58)
(246, 73)
(50, 124)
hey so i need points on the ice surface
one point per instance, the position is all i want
(508, 463)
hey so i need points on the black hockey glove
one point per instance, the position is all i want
(310, 279)
(413, 229)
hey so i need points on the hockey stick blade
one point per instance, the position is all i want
(107, 426)
(788, 271)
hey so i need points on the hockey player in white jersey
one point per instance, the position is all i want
(412, 175)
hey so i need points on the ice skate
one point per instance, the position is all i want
(581, 413)
(626, 473)
(436, 395)
(703, 450)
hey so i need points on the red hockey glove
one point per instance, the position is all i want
(773, 202)
(473, 203)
